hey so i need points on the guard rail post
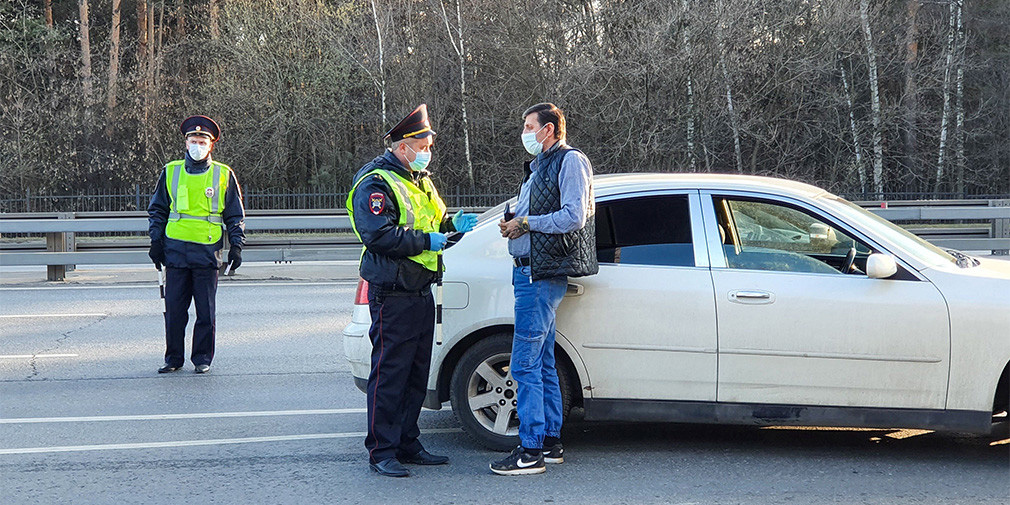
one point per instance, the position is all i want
(56, 242)
(1000, 226)
(71, 238)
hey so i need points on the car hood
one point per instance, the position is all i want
(988, 267)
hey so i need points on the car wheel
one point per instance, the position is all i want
(483, 394)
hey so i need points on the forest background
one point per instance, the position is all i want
(865, 98)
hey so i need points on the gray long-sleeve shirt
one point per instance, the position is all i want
(577, 200)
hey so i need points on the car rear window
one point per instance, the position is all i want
(652, 230)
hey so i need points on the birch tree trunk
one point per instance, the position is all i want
(734, 123)
(85, 30)
(691, 159)
(959, 157)
(871, 57)
(113, 58)
(382, 73)
(858, 167)
(457, 45)
(946, 100)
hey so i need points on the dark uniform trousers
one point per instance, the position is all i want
(401, 334)
(182, 286)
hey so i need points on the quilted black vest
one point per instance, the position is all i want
(551, 255)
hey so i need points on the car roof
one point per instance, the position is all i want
(622, 183)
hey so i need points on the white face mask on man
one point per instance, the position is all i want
(530, 142)
(197, 151)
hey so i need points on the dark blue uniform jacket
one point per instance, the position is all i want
(179, 254)
(388, 245)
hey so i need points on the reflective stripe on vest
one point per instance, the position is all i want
(194, 216)
(420, 209)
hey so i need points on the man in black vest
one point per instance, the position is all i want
(552, 236)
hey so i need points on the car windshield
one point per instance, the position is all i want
(909, 243)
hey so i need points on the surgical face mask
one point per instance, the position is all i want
(421, 160)
(531, 144)
(198, 152)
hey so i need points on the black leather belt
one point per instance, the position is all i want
(521, 262)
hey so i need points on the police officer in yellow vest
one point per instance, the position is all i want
(400, 218)
(196, 206)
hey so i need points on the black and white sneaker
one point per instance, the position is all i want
(555, 454)
(519, 462)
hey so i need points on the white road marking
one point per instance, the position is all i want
(29, 356)
(83, 314)
(196, 443)
(154, 284)
(197, 415)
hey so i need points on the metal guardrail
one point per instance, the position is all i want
(61, 247)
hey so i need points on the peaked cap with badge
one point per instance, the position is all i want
(415, 125)
(200, 125)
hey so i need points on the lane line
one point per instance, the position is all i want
(196, 415)
(197, 443)
(29, 356)
(226, 284)
(82, 314)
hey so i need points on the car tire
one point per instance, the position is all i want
(470, 381)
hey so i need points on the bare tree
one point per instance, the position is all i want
(691, 158)
(946, 98)
(871, 58)
(113, 58)
(213, 16)
(382, 73)
(856, 148)
(733, 120)
(960, 161)
(49, 13)
(85, 34)
(457, 46)
(141, 35)
(910, 98)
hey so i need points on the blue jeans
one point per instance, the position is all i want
(532, 366)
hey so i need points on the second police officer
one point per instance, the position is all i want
(400, 218)
(196, 206)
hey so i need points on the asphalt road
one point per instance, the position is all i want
(84, 418)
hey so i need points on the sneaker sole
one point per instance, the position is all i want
(554, 461)
(520, 471)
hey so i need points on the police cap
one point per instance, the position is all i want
(200, 125)
(415, 125)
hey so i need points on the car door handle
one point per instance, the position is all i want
(751, 296)
(574, 289)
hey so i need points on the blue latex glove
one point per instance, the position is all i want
(437, 240)
(464, 222)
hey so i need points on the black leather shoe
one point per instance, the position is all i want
(423, 458)
(390, 468)
(169, 368)
(202, 368)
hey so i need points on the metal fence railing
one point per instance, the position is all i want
(137, 199)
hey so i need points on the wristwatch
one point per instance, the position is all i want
(524, 225)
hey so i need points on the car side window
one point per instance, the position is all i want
(653, 230)
(764, 235)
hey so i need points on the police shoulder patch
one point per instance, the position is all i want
(377, 203)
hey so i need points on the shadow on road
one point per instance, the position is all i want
(921, 445)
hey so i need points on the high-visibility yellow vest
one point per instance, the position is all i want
(197, 201)
(420, 209)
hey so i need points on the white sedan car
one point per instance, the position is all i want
(737, 300)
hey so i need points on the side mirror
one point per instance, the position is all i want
(880, 266)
